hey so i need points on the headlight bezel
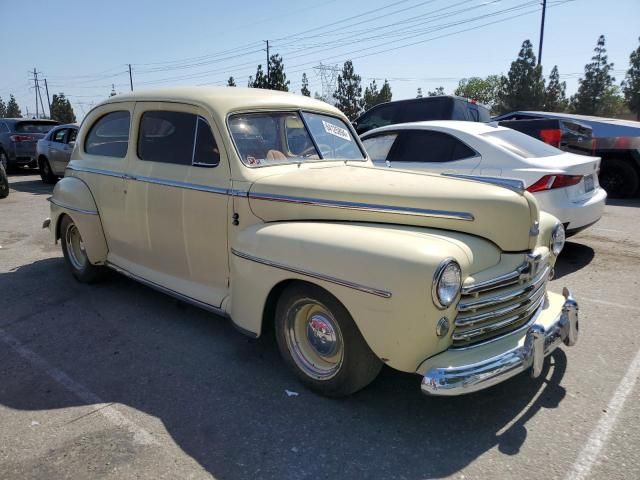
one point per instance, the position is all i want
(557, 229)
(437, 277)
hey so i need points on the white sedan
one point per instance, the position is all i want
(564, 184)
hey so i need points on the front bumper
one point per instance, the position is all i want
(539, 341)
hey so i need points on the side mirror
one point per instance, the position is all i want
(72, 143)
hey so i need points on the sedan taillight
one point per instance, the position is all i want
(20, 138)
(550, 182)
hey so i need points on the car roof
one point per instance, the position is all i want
(474, 128)
(224, 100)
(16, 120)
(571, 116)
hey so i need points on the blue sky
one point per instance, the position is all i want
(82, 47)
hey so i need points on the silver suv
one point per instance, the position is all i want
(54, 151)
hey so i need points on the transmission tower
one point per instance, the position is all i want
(328, 75)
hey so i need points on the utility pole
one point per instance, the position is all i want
(46, 87)
(130, 78)
(268, 69)
(35, 84)
(41, 103)
(544, 11)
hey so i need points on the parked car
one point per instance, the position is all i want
(4, 182)
(443, 107)
(18, 137)
(570, 136)
(564, 184)
(54, 151)
(616, 142)
(263, 206)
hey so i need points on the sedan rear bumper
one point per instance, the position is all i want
(540, 339)
(576, 214)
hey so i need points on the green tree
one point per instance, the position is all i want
(61, 109)
(419, 94)
(231, 82)
(373, 96)
(631, 83)
(277, 78)
(613, 104)
(437, 92)
(260, 81)
(484, 90)
(555, 99)
(3, 108)
(596, 84)
(348, 95)
(523, 87)
(305, 86)
(13, 110)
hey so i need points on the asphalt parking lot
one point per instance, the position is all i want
(116, 380)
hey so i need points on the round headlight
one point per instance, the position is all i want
(446, 283)
(557, 239)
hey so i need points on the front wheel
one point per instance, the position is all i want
(321, 343)
(76, 255)
(46, 174)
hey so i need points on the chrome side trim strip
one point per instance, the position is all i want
(74, 209)
(178, 184)
(504, 297)
(168, 291)
(510, 183)
(420, 212)
(99, 171)
(319, 276)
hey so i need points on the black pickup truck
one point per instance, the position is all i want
(616, 142)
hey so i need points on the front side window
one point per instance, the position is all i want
(430, 147)
(272, 138)
(378, 147)
(520, 144)
(176, 137)
(58, 135)
(379, 116)
(109, 135)
(73, 134)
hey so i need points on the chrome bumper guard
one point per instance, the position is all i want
(539, 343)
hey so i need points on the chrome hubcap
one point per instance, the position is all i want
(75, 247)
(314, 339)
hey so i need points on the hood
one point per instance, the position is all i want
(378, 195)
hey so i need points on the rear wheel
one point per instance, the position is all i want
(46, 174)
(76, 255)
(619, 178)
(4, 182)
(321, 343)
(4, 160)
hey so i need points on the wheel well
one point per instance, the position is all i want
(59, 221)
(269, 311)
(621, 155)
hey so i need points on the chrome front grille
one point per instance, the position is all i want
(500, 305)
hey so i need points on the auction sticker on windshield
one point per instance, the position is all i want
(336, 131)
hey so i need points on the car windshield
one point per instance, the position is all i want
(275, 138)
(520, 144)
(34, 127)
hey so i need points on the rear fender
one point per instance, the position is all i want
(72, 197)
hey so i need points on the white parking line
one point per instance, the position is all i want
(597, 440)
(611, 304)
(140, 435)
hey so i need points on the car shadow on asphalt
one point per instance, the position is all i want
(222, 396)
(35, 187)
(574, 257)
(624, 202)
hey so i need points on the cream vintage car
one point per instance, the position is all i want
(263, 207)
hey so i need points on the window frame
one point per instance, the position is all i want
(299, 111)
(407, 130)
(93, 125)
(199, 118)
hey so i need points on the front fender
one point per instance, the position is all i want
(382, 274)
(72, 197)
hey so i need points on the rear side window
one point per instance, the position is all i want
(109, 135)
(378, 147)
(522, 145)
(177, 137)
(429, 147)
(426, 109)
(3, 128)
